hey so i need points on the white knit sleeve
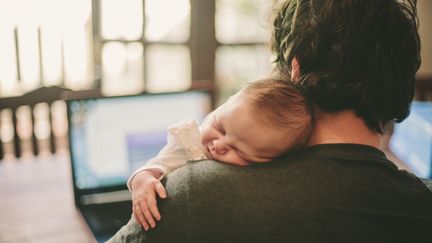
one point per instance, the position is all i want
(184, 143)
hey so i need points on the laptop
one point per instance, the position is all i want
(411, 140)
(109, 138)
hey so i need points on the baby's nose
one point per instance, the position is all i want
(219, 147)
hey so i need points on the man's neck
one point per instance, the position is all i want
(342, 127)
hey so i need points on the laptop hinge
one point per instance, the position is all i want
(105, 197)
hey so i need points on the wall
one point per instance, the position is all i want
(424, 8)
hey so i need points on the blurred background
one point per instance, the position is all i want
(121, 47)
(116, 47)
(108, 47)
(129, 47)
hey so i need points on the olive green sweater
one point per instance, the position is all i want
(324, 193)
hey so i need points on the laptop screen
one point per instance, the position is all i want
(412, 139)
(111, 137)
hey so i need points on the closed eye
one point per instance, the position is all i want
(218, 126)
(240, 154)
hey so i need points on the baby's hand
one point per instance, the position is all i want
(145, 185)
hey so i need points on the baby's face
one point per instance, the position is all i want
(234, 133)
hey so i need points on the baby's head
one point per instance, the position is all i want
(263, 120)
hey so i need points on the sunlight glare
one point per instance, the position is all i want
(169, 68)
(167, 20)
(8, 68)
(122, 68)
(58, 21)
(113, 58)
(77, 43)
(28, 55)
(121, 19)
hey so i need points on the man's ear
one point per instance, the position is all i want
(295, 69)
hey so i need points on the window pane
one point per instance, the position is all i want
(121, 19)
(58, 21)
(122, 68)
(167, 20)
(51, 26)
(51, 56)
(28, 56)
(77, 36)
(168, 68)
(8, 70)
(77, 59)
(237, 65)
(243, 20)
(26, 21)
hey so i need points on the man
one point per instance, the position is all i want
(356, 61)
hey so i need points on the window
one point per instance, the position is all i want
(242, 31)
(144, 45)
(43, 43)
(121, 47)
(126, 47)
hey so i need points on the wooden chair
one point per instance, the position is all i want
(41, 95)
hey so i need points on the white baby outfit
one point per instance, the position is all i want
(184, 143)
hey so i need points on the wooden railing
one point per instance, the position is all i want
(13, 132)
(12, 140)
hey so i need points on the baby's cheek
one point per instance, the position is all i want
(205, 136)
(233, 158)
(209, 134)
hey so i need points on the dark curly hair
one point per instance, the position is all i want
(360, 55)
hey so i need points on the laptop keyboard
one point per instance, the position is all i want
(108, 217)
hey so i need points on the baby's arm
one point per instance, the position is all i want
(183, 145)
(145, 183)
(144, 187)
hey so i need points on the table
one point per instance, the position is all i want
(36, 202)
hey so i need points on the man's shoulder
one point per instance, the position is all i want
(214, 179)
(202, 171)
(210, 170)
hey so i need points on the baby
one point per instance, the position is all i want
(263, 120)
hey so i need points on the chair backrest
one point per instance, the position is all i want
(46, 95)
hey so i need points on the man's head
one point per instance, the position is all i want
(260, 122)
(359, 55)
